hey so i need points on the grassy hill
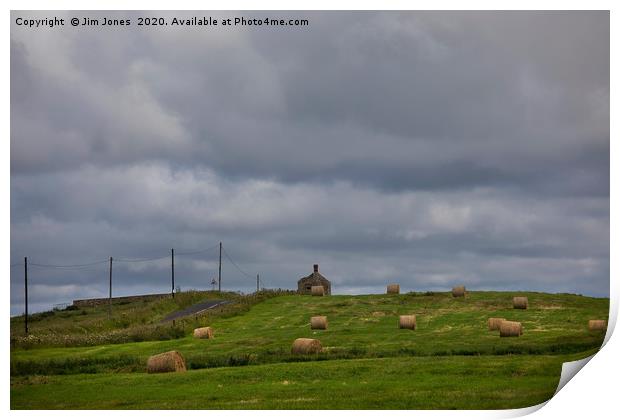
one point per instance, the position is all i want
(363, 348)
(130, 320)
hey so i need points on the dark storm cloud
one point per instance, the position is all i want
(422, 147)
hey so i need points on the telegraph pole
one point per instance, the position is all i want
(219, 272)
(26, 293)
(172, 272)
(110, 296)
(257, 281)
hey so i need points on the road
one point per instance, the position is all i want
(195, 309)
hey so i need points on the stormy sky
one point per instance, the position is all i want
(424, 148)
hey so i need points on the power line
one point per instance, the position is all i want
(196, 252)
(141, 259)
(92, 266)
(68, 266)
(176, 253)
(89, 268)
(121, 259)
(235, 264)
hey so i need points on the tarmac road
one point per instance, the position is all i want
(195, 309)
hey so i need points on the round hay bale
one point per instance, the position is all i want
(458, 291)
(170, 361)
(203, 332)
(393, 289)
(519, 302)
(318, 323)
(597, 325)
(494, 323)
(318, 291)
(306, 346)
(407, 322)
(510, 329)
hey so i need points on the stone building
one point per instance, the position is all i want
(304, 285)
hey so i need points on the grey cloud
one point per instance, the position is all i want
(423, 147)
(380, 84)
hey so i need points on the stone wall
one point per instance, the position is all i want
(304, 286)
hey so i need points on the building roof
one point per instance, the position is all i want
(314, 278)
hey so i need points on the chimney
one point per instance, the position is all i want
(316, 268)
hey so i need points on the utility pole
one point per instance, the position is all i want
(26, 293)
(110, 296)
(257, 282)
(219, 272)
(172, 272)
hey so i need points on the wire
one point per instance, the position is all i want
(121, 259)
(163, 256)
(87, 268)
(68, 266)
(235, 264)
(91, 265)
(195, 252)
(140, 259)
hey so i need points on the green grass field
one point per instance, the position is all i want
(450, 361)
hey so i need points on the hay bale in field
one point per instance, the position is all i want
(306, 346)
(510, 329)
(597, 325)
(318, 323)
(170, 361)
(519, 302)
(318, 291)
(458, 291)
(393, 289)
(203, 332)
(494, 323)
(407, 322)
